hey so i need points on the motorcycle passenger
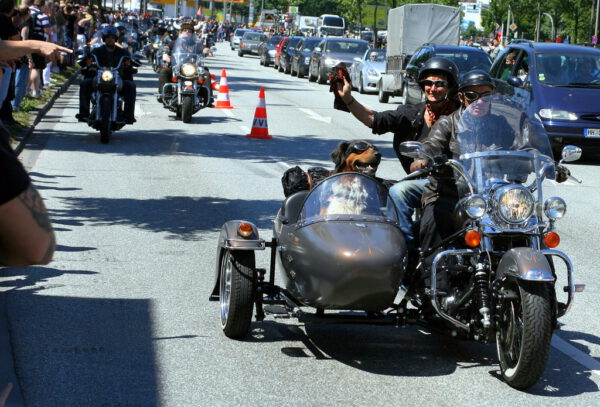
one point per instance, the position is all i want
(440, 195)
(108, 55)
(438, 79)
(186, 36)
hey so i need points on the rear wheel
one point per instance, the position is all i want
(237, 291)
(186, 108)
(311, 78)
(382, 96)
(524, 331)
(320, 77)
(404, 97)
(105, 110)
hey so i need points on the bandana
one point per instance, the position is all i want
(450, 106)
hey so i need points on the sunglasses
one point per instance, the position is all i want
(437, 84)
(360, 147)
(472, 96)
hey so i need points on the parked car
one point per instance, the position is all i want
(466, 58)
(330, 52)
(267, 50)
(286, 53)
(559, 83)
(234, 42)
(278, 52)
(250, 42)
(364, 74)
(302, 53)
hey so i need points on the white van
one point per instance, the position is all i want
(331, 25)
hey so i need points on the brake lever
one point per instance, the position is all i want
(572, 178)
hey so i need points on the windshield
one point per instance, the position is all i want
(274, 40)
(498, 144)
(346, 47)
(468, 60)
(348, 196)
(376, 55)
(253, 37)
(333, 22)
(308, 46)
(187, 50)
(564, 69)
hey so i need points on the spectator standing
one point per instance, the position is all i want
(39, 29)
(7, 32)
(24, 69)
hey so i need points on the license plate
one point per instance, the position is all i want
(591, 132)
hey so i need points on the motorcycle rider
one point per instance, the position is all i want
(438, 79)
(440, 195)
(166, 72)
(108, 55)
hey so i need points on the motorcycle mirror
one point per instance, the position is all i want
(413, 149)
(570, 153)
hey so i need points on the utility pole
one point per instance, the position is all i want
(596, 29)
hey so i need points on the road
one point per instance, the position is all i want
(121, 316)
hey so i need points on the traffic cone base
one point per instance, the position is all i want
(223, 95)
(260, 128)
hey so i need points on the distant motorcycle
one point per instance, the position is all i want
(107, 104)
(189, 90)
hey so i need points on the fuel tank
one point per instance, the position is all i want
(349, 265)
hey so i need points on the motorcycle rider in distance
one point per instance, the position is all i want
(438, 79)
(108, 55)
(187, 29)
(440, 195)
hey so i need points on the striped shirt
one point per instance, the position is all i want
(41, 22)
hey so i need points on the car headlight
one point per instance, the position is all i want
(188, 70)
(272, 52)
(514, 203)
(475, 206)
(330, 61)
(307, 61)
(557, 114)
(107, 76)
(555, 208)
(372, 72)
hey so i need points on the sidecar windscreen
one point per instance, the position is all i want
(348, 196)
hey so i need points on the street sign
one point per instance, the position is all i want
(293, 9)
(512, 27)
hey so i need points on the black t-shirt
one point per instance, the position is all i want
(7, 29)
(71, 19)
(13, 177)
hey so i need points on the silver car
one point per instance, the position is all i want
(250, 42)
(364, 74)
(330, 52)
(234, 42)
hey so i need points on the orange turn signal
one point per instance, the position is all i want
(200, 81)
(245, 229)
(472, 238)
(174, 79)
(552, 239)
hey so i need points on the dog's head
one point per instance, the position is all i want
(356, 155)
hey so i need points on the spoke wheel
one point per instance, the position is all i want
(237, 292)
(524, 331)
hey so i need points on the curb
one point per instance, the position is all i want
(19, 144)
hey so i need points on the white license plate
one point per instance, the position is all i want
(591, 132)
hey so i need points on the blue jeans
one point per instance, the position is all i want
(407, 196)
(21, 82)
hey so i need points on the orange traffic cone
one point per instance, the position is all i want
(223, 96)
(260, 129)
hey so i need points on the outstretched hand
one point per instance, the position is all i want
(49, 49)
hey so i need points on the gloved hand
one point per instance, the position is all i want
(562, 173)
(339, 73)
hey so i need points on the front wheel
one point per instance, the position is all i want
(237, 286)
(105, 111)
(187, 108)
(321, 78)
(524, 331)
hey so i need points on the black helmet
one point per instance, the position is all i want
(476, 77)
(439, 64)
(109, 30)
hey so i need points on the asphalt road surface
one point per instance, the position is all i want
(121, 316)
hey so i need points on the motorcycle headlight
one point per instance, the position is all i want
(107, 76)
(155, 46)
(475, 206)
(188, 70)
(514, 203)
(555, 208)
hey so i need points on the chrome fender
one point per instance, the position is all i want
(525, 263)
(229, 239)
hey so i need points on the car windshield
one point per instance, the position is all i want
(376, 55)
(293, 42)
(468, 60)
(498, 143)
(239, 32)
(308, 46)
(274, 40)
(252, 36)
(568, 69)
(346, 47)
(333, 22)
(348, 196)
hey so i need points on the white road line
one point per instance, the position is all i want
(315, 115)
(245, 129)
(575, 354)
(280, 163)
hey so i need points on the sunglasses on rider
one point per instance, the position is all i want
(472, 96)
(360, 147)
(437, 84)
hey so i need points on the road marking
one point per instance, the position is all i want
(575, 354)
(228, 113)
(245, 129)
(280, 163)
(315, 115)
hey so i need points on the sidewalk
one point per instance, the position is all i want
(7, 366)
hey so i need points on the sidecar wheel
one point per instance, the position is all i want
(524, 332)
(237, 291)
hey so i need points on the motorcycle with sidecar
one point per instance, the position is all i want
(338, 249)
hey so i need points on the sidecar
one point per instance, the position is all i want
(336, 247)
